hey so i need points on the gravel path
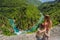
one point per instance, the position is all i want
(55, 35)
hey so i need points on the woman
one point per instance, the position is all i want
(46, 29)
(48, 25)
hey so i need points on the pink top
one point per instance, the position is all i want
(46, 25)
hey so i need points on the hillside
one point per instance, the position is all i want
(52, 9)
(24, 14)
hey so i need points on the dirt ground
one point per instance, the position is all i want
(55, 35)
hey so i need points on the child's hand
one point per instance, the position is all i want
(39, 31)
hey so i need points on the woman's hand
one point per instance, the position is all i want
(47, 34)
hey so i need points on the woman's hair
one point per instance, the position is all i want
(47, 18)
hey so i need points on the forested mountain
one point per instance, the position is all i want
(25, 14)
(53, 9)
(57, 0)
(14, 3)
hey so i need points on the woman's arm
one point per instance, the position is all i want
(47, 33)
(41, 31)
